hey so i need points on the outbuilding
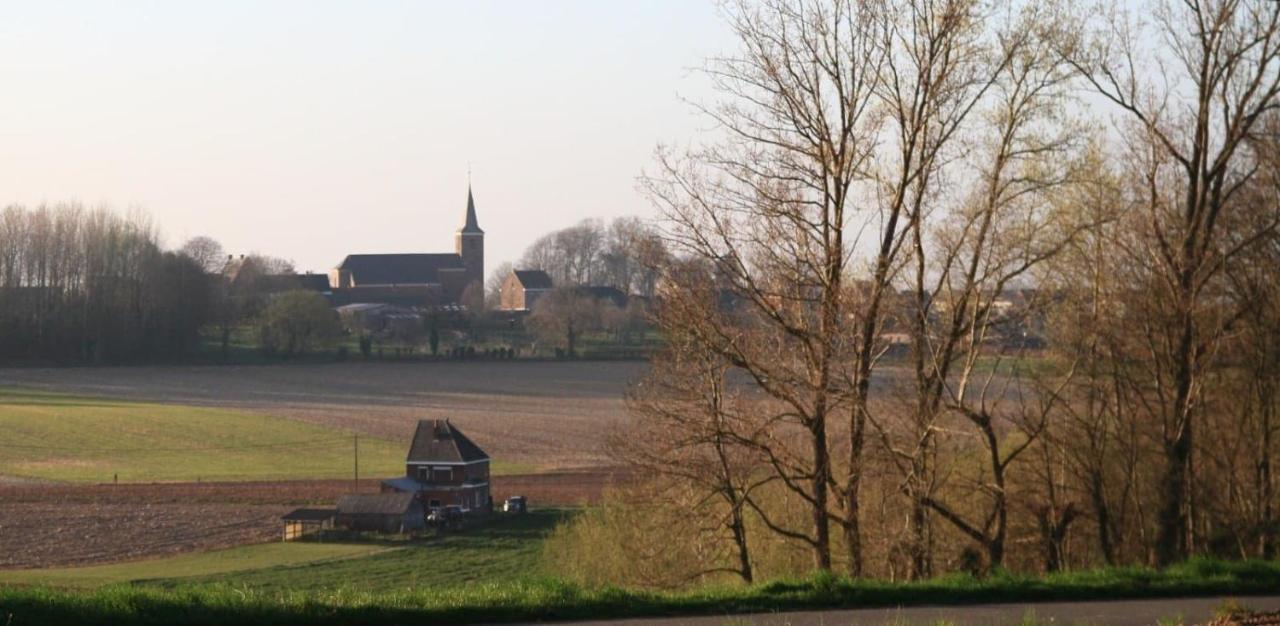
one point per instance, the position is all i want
(380, 512)
(302, 522)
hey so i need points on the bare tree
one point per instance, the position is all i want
(1194, 102)
(687, 428)
(206, 252)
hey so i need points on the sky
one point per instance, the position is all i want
(310, 130)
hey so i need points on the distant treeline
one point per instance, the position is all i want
(92, 286)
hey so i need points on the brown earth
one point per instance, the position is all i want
(547, 415)
(58, 525)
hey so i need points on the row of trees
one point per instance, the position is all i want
(80, 285)
(884, 171)
(595, 253)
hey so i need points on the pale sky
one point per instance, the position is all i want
(310, 130)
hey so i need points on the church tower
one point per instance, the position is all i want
(469, 243)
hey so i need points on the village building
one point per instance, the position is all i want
(415, 280)
(522, 289)
(444, 468)
(380, 512)
(601, 293)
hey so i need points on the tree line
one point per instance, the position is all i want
(79, 285)
(882, 175)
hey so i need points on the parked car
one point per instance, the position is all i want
(448, 515)
(515, 504)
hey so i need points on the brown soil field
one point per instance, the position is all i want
(57, 525)
(543, 415)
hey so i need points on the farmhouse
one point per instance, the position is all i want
(416, 280)
(381, 512)
(444, 468)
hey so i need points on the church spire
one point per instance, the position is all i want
(471, 226)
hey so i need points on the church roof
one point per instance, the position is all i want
(533, 279)
(439, 441)
(399, 269)
(472, 226)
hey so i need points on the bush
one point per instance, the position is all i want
(297, 322)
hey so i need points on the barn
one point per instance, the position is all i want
(380, 512)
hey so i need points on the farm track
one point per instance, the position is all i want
(67, 525)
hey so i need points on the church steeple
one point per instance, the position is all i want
(469, 243)
(471, 226)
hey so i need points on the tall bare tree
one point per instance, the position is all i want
(1194, 93)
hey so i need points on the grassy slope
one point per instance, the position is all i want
(252, 557)
(547, 599)
(506, 551)
(75, 438)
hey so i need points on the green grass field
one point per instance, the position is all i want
(508, 550)
(546, 599)
(503, 551)
(254, 557)
(82, 439)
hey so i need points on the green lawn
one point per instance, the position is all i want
(547, 599)
(504, 551)
(252, 557)
(82, 439)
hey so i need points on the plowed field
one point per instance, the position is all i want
(56, 525)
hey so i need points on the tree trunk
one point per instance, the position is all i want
(821, 473)
(739, 529)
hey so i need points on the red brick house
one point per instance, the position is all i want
(444, 467)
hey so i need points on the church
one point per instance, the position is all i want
(448, 279)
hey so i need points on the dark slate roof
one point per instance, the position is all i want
(399, 269)
(533, 279)
(439, 441)
(314, 282)
(375, 504)
(309, 515)
(612, 294)
(471, 226)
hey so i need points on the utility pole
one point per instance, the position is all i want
(357, 462)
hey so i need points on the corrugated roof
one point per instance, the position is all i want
(439, 441)
(375, 504)
(399, 269)
(309, 515)
(533, 279)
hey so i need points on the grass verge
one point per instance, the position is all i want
(548, 599)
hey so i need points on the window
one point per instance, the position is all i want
(444, 474)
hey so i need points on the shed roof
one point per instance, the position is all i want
(533, 279)
(399, 269)
(375, 504)
(439, 441)
(309, 515)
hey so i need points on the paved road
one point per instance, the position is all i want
(1108, 613)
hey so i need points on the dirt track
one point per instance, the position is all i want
(53, 525)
